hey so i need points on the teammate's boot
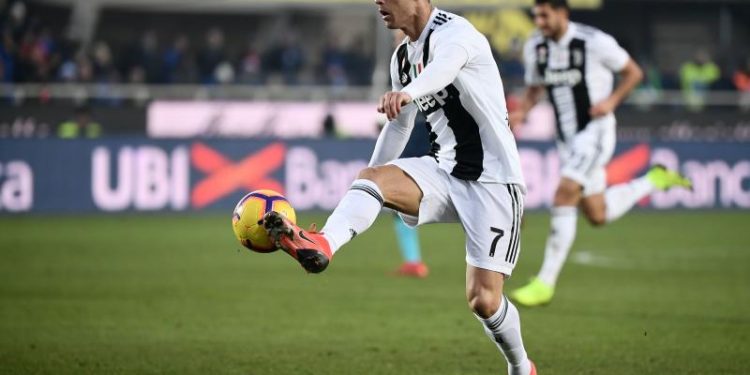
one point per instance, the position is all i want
(664, 179)
(413, 269)
(533, 368)
(309, 248)
(535, 293)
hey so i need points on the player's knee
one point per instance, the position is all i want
(484, 303)
(567, 194)
(597, 219)
(373, 174)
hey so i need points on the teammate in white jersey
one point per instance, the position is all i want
(576, 64)
(444, 68)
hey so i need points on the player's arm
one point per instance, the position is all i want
(630, 76)
(534, 86)
(394, 136)
(447, 62)
(530, 97)
(397, 130)
(616, 59)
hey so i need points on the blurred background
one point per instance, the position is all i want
(113, 110)
(308, 72)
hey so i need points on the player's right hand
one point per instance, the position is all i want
(516, 119)
(391, 103)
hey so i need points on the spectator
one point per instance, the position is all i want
(211, 56)
(251, 66)
(103, 66)
(80, 126)
(742, 77)
(359, 65)
(696, 77)
(178, 62)
(291, 59)
(334, 64)
(741, 81)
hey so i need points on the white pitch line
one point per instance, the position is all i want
(589, 258)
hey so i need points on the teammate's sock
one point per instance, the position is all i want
(561, 236)
(621, 198)
(504, 329)
(408, 241)
(354, 213)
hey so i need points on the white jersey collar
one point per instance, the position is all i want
(427, 27)
(568, 34)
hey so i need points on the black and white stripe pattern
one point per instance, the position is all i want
(494, 324)
(515, 238)
(441, 18)
(369, 190)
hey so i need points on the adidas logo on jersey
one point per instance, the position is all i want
(431, 103)
(569, 77)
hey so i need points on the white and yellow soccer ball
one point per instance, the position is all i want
(247, 216)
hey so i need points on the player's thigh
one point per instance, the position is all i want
(435, 205)
(568, 192)
(583, 163)
(400, 191)
(491, 217)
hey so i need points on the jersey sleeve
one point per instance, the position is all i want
(453, 46)
(612, 55)
(448, 59)
(395, 134)
(531, 74)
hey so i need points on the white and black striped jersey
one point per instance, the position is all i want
(578, 71)
(454, 81)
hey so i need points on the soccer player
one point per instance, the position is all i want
(444, 69)
(576, 64)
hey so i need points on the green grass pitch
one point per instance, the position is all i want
(655, 293)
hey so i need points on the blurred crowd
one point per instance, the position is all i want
(31, 52)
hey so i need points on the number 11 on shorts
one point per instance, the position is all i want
(497, 238)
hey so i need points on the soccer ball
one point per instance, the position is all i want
(248, 214)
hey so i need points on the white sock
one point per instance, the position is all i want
(354, 214)
(621, 198)
(561, 236)
(504, 329)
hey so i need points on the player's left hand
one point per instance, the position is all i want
(391, 103)
(602, 108)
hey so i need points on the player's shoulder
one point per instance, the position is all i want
(591, 33)
(449, 25)
(535, 39)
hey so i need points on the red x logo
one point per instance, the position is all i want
(224, 176)
(627, 165)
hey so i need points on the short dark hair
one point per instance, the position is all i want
(553, 3)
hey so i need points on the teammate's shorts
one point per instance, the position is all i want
(489, 213)
(584, 158)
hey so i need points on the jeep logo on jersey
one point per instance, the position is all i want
(431, 103)
(569, 77)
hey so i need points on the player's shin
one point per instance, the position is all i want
(621, 198)
(562, 233)
(504, 329)
(354, 214)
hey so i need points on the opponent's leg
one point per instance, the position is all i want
(562, 234)
(501, 321)
(386, 185)
(408, 245)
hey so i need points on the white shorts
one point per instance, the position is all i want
(489, 213)
(584, 158)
